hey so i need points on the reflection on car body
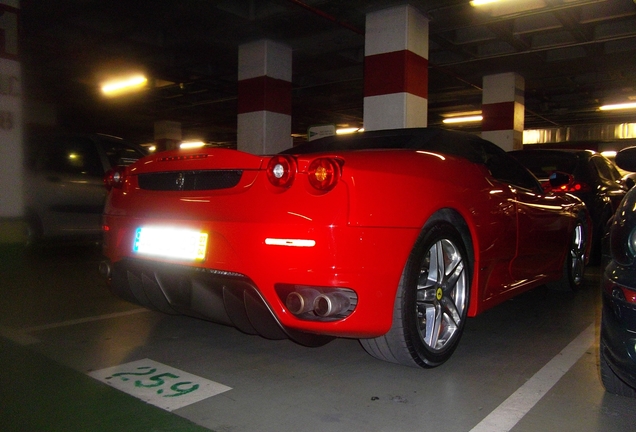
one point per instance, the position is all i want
(65, 193)
(595, 180)
(391, 237)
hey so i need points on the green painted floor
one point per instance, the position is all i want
(38, 394)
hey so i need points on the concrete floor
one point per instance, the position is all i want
(530, 364)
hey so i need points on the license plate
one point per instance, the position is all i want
(170, 242)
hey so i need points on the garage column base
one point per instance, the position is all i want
(13, 231)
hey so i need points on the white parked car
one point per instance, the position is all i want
(65, 192)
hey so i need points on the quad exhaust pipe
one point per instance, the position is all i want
(327, 305)
(322, 304)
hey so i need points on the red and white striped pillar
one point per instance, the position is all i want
(396, 69)
(503, 110)
(264, 97)
(167, 135)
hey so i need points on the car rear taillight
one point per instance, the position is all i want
(281, 171)
(620, 293)
(630, 296)
(323, 173)
(574, 186)
(115, 177)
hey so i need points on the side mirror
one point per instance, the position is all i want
(558, 179)
(626, 159)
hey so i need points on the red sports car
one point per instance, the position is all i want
(392, 237)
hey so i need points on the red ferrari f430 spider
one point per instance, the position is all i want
(391, 237)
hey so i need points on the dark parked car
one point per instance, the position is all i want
(618, 322)
(65, 192)
(595, 179)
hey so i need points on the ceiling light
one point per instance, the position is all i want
(482, 2)
(191, 144)
(467, 119)
(348, 130)
(124, 85)
(630, 105)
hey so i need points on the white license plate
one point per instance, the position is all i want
(171, 242)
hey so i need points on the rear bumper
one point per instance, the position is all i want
(242, 287)
(221, 297)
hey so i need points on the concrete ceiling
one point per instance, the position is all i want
(573, 54)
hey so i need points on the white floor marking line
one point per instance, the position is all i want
(18, 337)
(21, 336)
(83, 320)
(508, 414)
(159, 384)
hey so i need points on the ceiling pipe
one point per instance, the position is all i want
(327, 16)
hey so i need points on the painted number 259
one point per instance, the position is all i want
(159, 380)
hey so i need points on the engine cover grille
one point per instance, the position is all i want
(190, 180)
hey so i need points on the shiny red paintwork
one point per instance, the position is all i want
(364, 228)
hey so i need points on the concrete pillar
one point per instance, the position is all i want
(11, 134)
(167, 135)
(264, 97)
(396, 69)
(503, 110)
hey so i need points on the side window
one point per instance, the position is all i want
(77, 156)
(508, 170)
(604, 169)
(120, 153)
(616, 175)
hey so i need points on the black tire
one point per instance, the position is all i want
(597, 237)
(431, 304)
(612, 383)
(574, 263)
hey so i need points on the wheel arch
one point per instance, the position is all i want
(460, 223)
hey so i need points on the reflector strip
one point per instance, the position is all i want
(290, 242)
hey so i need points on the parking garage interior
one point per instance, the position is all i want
(76, 358)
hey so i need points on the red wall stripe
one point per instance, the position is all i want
(264, 94)
(396, 72)
(498, 116)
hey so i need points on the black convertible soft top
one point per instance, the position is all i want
(462, 144)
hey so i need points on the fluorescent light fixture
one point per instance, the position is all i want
(467, 119)
(482, 2)
(621, 106)
(350, 130)
(124, 85)
(191, 144)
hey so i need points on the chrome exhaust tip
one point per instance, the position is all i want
(301, 301)
(330, 304)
